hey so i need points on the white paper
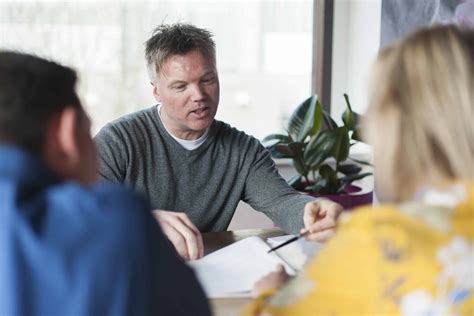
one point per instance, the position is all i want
(297, 253)
(233, 270)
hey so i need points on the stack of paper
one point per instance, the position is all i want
(232, 271)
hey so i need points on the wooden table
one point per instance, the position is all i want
(215, 241)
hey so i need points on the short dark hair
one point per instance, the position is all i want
(32, 91)
(176, 39)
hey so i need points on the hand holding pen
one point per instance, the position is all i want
(289, 241)
(320, 219)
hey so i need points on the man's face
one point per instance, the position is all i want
(188, 89)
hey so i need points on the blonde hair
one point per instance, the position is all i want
(421, 104)
(176, 39)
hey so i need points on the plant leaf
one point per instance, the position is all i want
(318, 117)
(342, 186)
(303, 119)
(349, 169)
(276, 154)
(291, 149)
(330, 123)
(348, 104)
(329, 143)
(319, 148)
(328, 173)
(350, 178)
(357, 129)
(300, 167)
(356, 135)
(348, 117)
(318, 187)
(273, 139)
(332, 183)
(295, 182)
(340, 151)
(361, 162)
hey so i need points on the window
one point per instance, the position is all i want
(263, 52)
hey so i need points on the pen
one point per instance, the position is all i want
(302, 234)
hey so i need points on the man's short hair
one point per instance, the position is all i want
(32, 91)
(176, 39)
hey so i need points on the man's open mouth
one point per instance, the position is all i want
(201, 111)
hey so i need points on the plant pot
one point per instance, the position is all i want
(354, 197)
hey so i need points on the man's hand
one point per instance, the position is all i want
(270, 281)
(320, 218)
(182, 233)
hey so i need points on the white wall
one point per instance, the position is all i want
(356, 41)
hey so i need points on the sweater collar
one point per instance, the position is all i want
(209, 137)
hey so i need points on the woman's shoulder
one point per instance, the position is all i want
(449, 212)
(369, 220)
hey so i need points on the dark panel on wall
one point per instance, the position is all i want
(323, 15)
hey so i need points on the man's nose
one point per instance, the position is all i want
(197, 93)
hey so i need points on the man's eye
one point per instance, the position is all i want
(208, 80)
(180, 87)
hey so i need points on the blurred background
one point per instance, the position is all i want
(271, 54)
(264, 51)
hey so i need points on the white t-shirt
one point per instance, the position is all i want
(188, 144)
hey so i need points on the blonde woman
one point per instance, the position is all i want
(415, 254)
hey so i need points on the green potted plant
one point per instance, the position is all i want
(320, 149)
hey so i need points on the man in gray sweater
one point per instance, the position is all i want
(193, 168)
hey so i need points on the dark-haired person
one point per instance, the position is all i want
(193, 168)
(67, 246)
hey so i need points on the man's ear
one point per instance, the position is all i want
(156, 91)
(62, 150)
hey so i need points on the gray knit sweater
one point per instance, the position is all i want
(206, 183)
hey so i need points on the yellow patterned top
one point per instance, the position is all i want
(415, 258)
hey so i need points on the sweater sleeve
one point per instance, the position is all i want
(266, 191)
(112, 154)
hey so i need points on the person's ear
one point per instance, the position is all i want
(67, 135)
(156, 91)
(61, 149)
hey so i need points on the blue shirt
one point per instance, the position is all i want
(72, 250)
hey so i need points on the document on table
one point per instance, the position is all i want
(233, 270)
(297, 253)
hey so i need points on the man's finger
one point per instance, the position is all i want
(181, 223)
(322, 235)
(187, 221)
(176, 239)
(311, 210)
(192, 239)
(280, 268)
(323, 224)
(200, 244)
(331, 209)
